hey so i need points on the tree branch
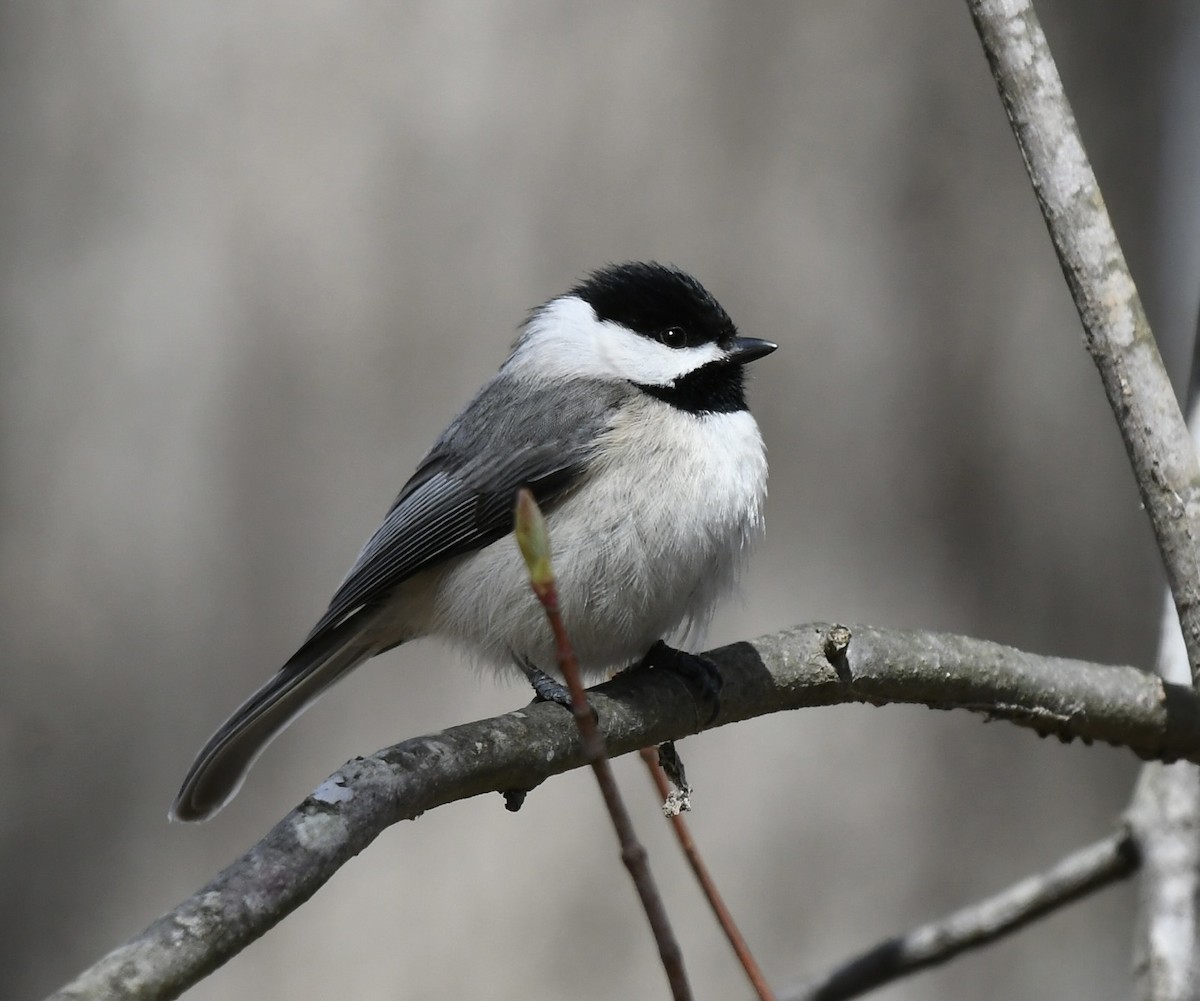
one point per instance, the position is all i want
(1115, 327)
(1166, 814)
(808, 665)
(1166, 805)
(979, 924)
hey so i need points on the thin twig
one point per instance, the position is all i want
(535, 547)
(1079, 874)
(1117, 333)
(691, 852)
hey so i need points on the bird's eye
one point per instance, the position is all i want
(673, 337)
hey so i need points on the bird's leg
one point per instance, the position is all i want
(545, 688)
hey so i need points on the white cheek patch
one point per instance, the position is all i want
(639, 359)
(566, 340)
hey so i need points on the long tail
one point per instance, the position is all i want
(221, 766)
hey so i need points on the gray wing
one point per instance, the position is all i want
(461, 497)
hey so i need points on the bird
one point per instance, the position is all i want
(622, 407)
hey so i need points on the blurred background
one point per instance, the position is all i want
(257, 255)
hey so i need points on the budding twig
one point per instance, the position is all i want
(691, 852)
(534, 541)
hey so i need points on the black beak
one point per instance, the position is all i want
(748, 349)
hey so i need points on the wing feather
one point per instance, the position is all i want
(461, 497)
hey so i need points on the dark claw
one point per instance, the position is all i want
(700, 674)
(547, 689)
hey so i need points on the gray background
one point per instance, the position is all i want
(256, 255)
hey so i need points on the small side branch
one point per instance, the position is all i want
(1076, 876)
(1117, 333)
(708, 885)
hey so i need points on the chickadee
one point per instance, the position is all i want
(622, 407)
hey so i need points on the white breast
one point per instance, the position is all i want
(642, 550)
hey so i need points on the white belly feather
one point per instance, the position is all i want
(626, 577)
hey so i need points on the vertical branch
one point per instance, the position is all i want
(1166, 818)
(1166, 815)
(1166, 807)
(1115, 327)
